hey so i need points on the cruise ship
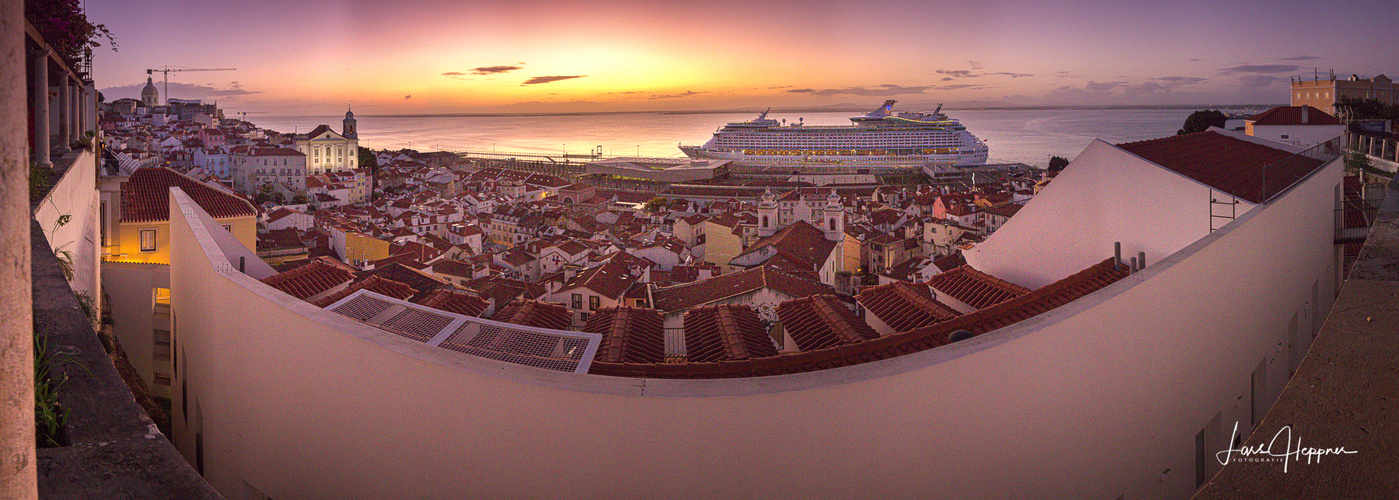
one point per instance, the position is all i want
(880, 139)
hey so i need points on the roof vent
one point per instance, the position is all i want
(959, 335)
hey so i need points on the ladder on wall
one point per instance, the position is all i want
(1219, 215)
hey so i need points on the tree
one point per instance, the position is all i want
(1352, 108)
(1057, 163)
(1201, 121)
(1358, 162)
(371, 162)
(65, 27)
(655, 204)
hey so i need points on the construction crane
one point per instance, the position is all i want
(166, 76)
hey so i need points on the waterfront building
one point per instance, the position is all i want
(1324, 94)
(328, 151)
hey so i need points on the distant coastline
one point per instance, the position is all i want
(841, 108)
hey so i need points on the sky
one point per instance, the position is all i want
(538, 56)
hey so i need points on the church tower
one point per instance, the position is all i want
(149, 95)
(767, 214)
(835, 218)
(349, 130)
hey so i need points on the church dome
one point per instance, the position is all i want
(349, 115)
(149, 94)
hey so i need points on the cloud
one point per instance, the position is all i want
(409, 96)
(878, 90)
(957, 73)
(1258, 80)
(974, 64)
(454, 73)
(963, 86)
(627, 92)
(179, 91)
(1102, 87)
(1012, 75)
(686, 93)
(491, 70)
(1195, 59)
(780, 87)
(1181, 80)
(1301, 58)
(547, 79)
(1261, 68)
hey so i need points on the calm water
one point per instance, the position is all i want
(1025, 136)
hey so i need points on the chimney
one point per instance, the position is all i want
(1304, 113)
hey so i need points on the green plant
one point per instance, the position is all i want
(38, 181)
(65, 27)
(48, 414)
(65, 264)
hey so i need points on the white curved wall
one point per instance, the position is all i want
(1092, 400)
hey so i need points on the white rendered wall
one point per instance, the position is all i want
(1093, 400)
(1106, 195)
(75, 195)
(1300, 135)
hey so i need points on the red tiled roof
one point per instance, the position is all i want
(975, 288)
(1292, 115)
(904, 306)
(992, 318)
(455, 302)
(822, 321)
(609, 280)
(684, 296)
(725, 333)
(1226, 163)
(374, 284)
(314, 278)
(629, 335)
(145, 197)
(535, 313)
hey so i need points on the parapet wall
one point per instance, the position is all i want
(1099, 398)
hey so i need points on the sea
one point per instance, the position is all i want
(1029, 136)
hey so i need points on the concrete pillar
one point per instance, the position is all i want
(65, 112)
(40, 70)
(18, 478)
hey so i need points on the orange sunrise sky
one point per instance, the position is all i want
(529, 56)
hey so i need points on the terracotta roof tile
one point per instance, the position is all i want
(1000, 315)
(374, 284)
(454, 301)
(629, 335)
(1292, 115)
(904, 306)
(725, 332)
(311, 279)
(535, 313)
(975, 288)
(684, 296)
(145, 197)
(822, 321)
(1226, 163)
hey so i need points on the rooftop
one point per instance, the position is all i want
(1227, 163)
(145, 197)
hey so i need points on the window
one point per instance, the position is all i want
(147, 240)
(577, 301)
(228, 228)
(594, 303)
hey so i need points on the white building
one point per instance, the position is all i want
(327, 151)
(1303, 126)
